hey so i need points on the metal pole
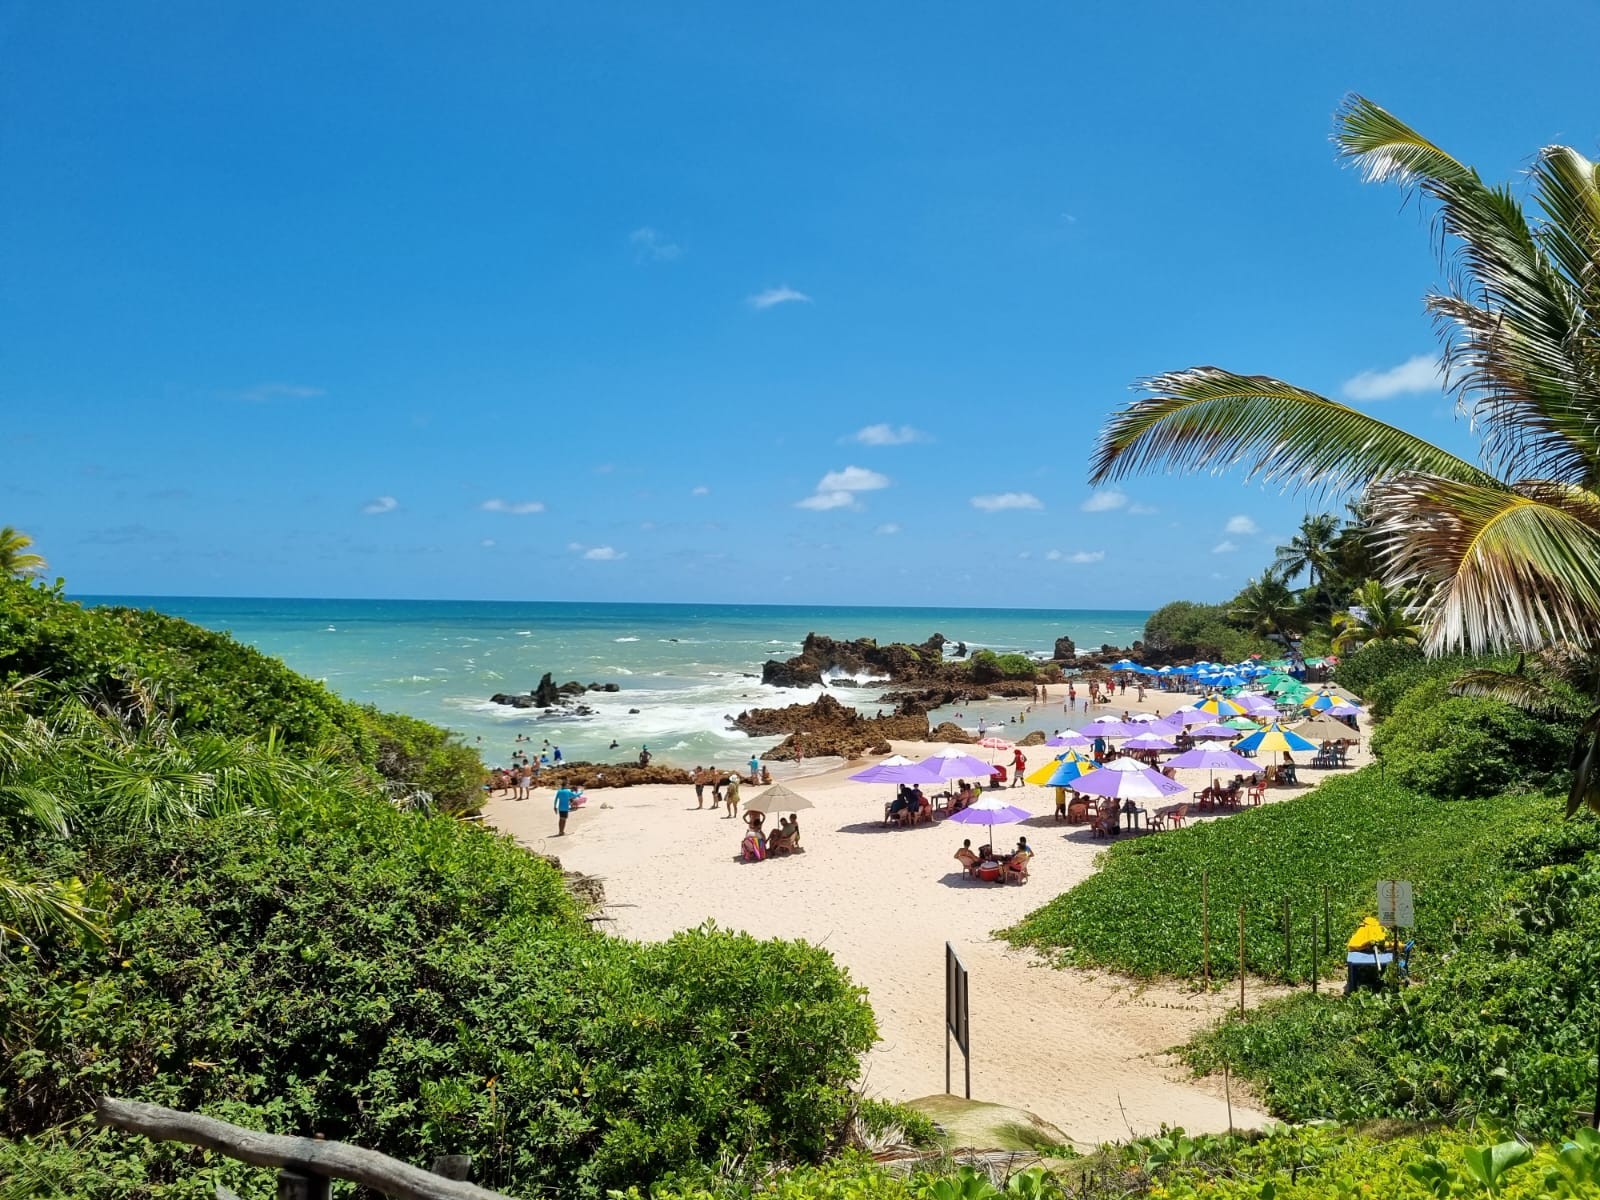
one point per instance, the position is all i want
(1327, 922)
(1205, 926)
(947, 1058)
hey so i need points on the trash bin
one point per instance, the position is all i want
(1364, 969)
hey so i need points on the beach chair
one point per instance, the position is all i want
(969, 862)
(1015, 868)
(1176, 816)
(1257, 793)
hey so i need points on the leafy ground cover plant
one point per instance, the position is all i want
(1141, 913)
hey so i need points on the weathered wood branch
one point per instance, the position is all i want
(334, 1160)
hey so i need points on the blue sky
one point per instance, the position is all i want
(811, 304)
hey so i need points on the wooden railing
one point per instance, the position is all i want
(305, 1165)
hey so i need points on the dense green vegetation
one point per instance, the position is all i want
(1306, 1163)
(1186, 630)
(210, 898)
(1141, 912)
(121, 660)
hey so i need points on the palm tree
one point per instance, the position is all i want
(1508, 554)
(1383, 614)
(1268, 606)
(1311, 550)
(16, 561)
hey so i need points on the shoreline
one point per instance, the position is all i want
(1084, 1050)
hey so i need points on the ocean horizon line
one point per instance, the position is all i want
(679, 604)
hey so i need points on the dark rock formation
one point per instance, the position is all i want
(610, 775)
(820, 654)
(1036, 738)
(546, 695)
(827, 727)
(949, 731)
(1066, 650)
(549, 694)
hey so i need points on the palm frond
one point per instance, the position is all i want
(1520, 691)
(1206, 418)
(1386, 149)
(28, 910)
(1502, 566)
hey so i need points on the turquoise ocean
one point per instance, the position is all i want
(682, 669)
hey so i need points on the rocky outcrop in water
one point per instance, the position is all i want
(949, 731)
(1066, 650)
(821, 655)
(592, 775)
(550, 694)
(826, 727)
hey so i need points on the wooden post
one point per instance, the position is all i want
(1316, 962)
(1327, 922)
(1205, 926)
(1241, 960)
(1288, 962)
(1227, 1093)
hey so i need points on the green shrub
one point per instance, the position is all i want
(1362, 670)
(1498, 1024)
(132, 660)
(1186, 630)
(421, 986)
(1455, 747)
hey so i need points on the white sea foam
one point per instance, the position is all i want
(863, 677)
(625, 639)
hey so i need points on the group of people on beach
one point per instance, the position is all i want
(759, 844)
(999, 867)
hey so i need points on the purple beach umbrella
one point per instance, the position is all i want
(1106, 727)
(1213, 759)
(904, 771)
(1213, 732)
(953, 764)
(1152, 740)
(1191, 716)
(991, 811)
(1143, 784)
(1068, 737)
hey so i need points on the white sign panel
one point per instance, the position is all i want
(1394, 902)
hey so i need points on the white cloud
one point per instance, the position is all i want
(264, 393)
(1421, 373)
(1054, 555)
(852, 479)
(884, 434)
(1084, 557)
(1107, 501)
(888, 528)
(518, 508)
(650, 246)
(383, 504)
(1242, 524)
(1224, 547)
(702, 490)
(574, 545)
(1143, 510)
(837, 489)
(603, 554)
(783, 294)
(487, 542)
(1025, 554)
(823, 501)
(1001, 501)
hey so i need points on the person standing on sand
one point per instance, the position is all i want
(564, 798)
(699, 777)
(716, 788)
(755, 763)
(733, 793)
(1020, 761)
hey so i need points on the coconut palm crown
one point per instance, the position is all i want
(1506, 553)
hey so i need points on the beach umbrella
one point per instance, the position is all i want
(953, 764)
(1343, 710)
(1214, 732)
(1213, 760)
(777, 798)
(1068, 737)
(996, 743)
(1142, 783)
(1244, 723)
(1191, 716)
(990, 810)
(892, 771)
(1149, 740)
(1106, 727)
(1218, 706)
(1251, 702)
(1273, 738)
(1323, 726)
(1143, 718)
(1062, 771)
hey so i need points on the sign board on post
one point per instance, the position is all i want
(1394, 903)
(957, 1017)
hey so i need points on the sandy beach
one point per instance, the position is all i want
(1083, 1050)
